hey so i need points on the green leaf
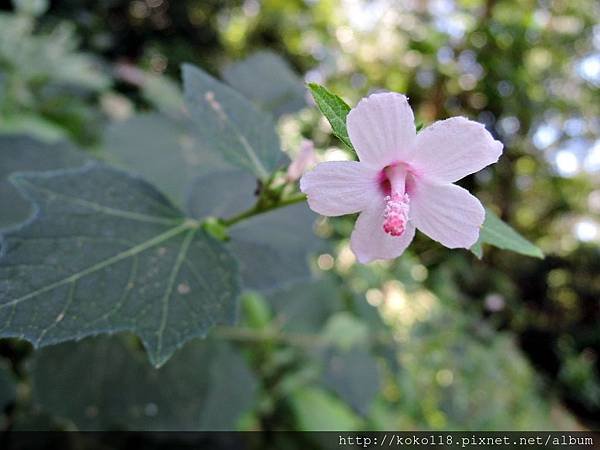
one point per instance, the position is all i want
(477, 249)
(345, 331)
(48, 58)
(273, 248)
(497, 233)
(106, 253)
(353, 375)
(305, 307)
(317, 410)
(165, 150)
(267, 80)
(279, 241)
(348, 368)
(162, 93)
(230, 125)
(256, 311)
(33, 125)
(334, 109)
(22, 153)
(104, 383)
(222, 193)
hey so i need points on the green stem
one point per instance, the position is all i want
(244, 334)
(258, 208)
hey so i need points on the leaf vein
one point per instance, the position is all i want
(60, 316)
(105, 209)
(185, 245)
(100, 265)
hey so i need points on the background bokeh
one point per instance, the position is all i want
(506, 342)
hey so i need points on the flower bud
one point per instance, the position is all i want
(304, 160)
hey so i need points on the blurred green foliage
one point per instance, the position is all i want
(502, 343)
(47, 87)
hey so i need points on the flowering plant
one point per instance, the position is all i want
(165, 245)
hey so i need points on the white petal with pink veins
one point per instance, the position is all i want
(336, 188)
(370, 242)
(451, 149)
(382, 129)
(447, 214)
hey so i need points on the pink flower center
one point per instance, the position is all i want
(395, 213)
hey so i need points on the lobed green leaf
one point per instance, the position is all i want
(104, 253)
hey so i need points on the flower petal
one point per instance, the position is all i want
(369, 242)
(336, 188)
(382, 129)
(451, 149)
(447, 213)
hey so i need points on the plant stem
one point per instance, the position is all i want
(258, 208)
(244, 334)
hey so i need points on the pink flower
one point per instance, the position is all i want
(304, 160)
(403, 180)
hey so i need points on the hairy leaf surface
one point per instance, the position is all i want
(104, 253)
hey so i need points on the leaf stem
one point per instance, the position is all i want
(260, 208)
